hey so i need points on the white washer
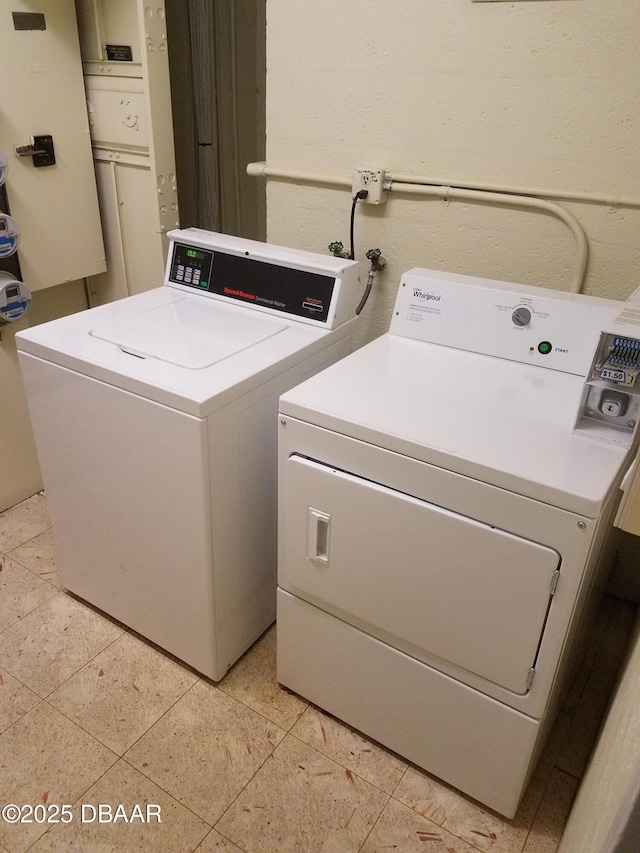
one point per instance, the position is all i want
(155, 424)
(443, 530)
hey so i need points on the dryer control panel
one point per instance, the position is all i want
(532, 325)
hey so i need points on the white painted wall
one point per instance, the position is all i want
(524, 94)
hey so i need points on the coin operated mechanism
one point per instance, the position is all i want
(9, 235)
(15, 299)
(610, 404)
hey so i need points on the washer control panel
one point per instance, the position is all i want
(191, 265)
(316, 289)
(257, 282)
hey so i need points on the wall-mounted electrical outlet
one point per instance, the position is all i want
(371, 180)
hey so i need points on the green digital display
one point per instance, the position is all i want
(191, 253)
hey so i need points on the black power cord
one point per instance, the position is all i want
(357, 197)
(374, 256)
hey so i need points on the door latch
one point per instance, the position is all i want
(40, 149)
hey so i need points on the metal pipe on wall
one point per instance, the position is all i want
(419, 186)
(491, 197)
(564, 195)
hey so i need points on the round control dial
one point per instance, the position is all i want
(521, 316)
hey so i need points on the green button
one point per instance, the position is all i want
(544, 347)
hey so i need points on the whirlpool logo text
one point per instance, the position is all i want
(418, 293)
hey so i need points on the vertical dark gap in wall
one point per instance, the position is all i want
(238, 69)
(260, 191)
(182, 107)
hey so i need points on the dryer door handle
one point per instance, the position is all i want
(318, 536)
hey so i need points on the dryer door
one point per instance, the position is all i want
(441, 586)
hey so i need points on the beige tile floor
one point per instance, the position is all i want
(90, 714)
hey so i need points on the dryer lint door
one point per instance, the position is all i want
(445, 588)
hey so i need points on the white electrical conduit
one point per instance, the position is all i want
(522, 201)
(419, 186)
(565, 195)
(261, 170)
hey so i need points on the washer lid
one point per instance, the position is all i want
(186, 333)
(192, 354)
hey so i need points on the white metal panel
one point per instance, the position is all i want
(131, 126)
(118, 111)
(56, 206)
(128, 491)
(144, 256)
(119, 23)
(480, 746)
(415, 574)
(127, 199)
(111, 284)
(155, 66)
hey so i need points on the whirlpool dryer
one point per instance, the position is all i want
(155, 420)
(443, 528)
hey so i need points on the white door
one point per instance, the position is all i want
(445, 588)
(55, 206)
